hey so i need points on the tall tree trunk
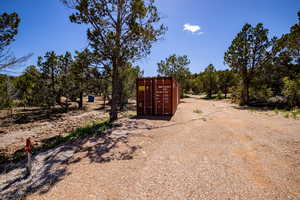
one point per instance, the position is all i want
(243, 99)
(247, 92)
(121, 94)
(116, 61)
(245, 87)
(11, 114)
(104, 101)
(80, 104)
(67, 104)
(113, 115)
(58, 98)
(53, 87)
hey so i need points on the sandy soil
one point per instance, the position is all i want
(224, 153)
(13, 137)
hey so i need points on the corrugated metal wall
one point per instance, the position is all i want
(157, 96)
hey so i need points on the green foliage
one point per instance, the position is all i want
(8, 30)
(219, 95)
(248, 52)
(82, 76)
(252, 110)
(226, 79)
(9, 24)
(288, 46)
(292, 91)
(210, 80)
(259, 67)
(28, 86)
(198, 111)
(79, 133)
(7, 93)
(261, 92)
(235, 92)
(48, 66)
(295, 113)
(197, 84)
(175, 66)
(288, 113)
(128, 77)
(65, 76)
(119, 32)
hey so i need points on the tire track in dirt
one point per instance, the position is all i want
(232, 154)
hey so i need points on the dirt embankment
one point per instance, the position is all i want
(41, 128)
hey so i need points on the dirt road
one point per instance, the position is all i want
(223, 153)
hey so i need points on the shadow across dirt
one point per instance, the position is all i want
(213, 98)
(51, 167)
(44, 176)
(261, 107)
(127, 106)
(252, 108)
(164, 118)
(182, 101)
(34, 115)
(110, 145)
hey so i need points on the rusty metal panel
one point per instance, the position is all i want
(157, 96)
(174, 96)
(145, 97)
(163, 96)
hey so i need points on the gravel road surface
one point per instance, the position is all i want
(225, 152)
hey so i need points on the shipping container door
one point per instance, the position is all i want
(145, 97)
(163, 96)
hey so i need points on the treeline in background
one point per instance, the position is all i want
(263, 71)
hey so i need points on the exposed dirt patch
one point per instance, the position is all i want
(41, 128)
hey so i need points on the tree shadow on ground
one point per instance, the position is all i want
(111, 145)
(214, 98)
(252, 108)
(44, 175)
(261, 106)
(151, 117)
(182, 101)
(34, 115)
(50, 167)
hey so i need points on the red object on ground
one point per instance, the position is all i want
(29, 146)
(157, 96)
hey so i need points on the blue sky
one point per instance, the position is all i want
(45, 26)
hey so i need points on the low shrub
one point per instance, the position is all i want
(198, 111)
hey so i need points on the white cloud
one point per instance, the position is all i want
(192, 28)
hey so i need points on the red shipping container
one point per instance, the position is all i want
(157, 96)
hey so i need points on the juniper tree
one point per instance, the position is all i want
(226, 79)
(9, 24)
(48, 66)
(250, 50)
(210, 80)
(175, 66)
(119, 31)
